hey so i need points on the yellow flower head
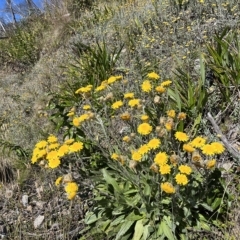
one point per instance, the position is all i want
(86, 107)
(71, 195)
(76, 122)
(86, 89)
(71, 187)
(154, 143)
(41, 144)
(208, 149)
(69, 141)
(181, 179)
(136, 156)
(76, 147)
(165, 169)
(52, 139)
(52, 155)
(111, 80)
(100, 88)
(185, 169)
(83, 117)
(134, 102)
(198, 142)
(169, 126)
(115, 156)
(188, 148)
(181, 136)
(63, 150)
(166, 83)
(168, 188)
(117, 105)
(145, 118)
(144, 149)
(210, 164)
(125, 116)
(129, 95)
(58, 181)
(171, 113)
(146, 86)
(153, 76)
(144, 129)
(54, 162)
(53, 146)
(218, 147)
(126, 139)
(161, 158)
(160, 89)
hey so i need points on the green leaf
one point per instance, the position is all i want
(206, 207)
(110, 180)
(216, 203)
(146, 232)
(134, 216)
(117, 220)
(166, 230)
(125, 227)
(91, 218)
(138, 230)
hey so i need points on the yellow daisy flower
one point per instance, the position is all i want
(161, 158)
(181, 136)
(117, 105)
(188, 148)
(208, 149)
(166, 83)
(160, 89)
(136, 156)
(134, 102)
(211, 164)
(76, 147)
(71, 187)
(198, 142)
(58, 181)
(171, 113)
(52, 139)
(185, 169)
(146, 86)
(41, 144)
(153, 76)
(54, 162)
(182, 116)
(144, 129)
(168, 188)
(143, 149)
(154, 143)
(129, 95)
(218, 147)
(165, 169)
(115, 156)
(181, 179)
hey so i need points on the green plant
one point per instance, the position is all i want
(223, 59)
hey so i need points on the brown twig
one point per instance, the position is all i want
(231, 149)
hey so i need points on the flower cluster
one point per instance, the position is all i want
(49, 152)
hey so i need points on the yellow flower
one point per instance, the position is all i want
(70, 114)
(100, 88)
(58, 181)
(171, 113)
(165, 169)
(218, 147)
(198, 142)
(168, 188)
(146, 86)
(154, 143)
(76, 147)
(181, 179)
(71, 187)
(208, 149)
(63, 150)
(86, 89)
(161, 158)
(115, 156)
(143, 149)
(34, 159)
(125, 116)
(52, 139)
(117, 105)
(76, 122)
(153, 76)
(71, 195)
(182, 116)
(83, 117)
(136, 156)
(185, 169)
(210, 164)
(86, 107)
(144, 129)
(134, 102)
(145, 118)
(52, 155)
(166, 83)
(126, 139)
(53, 146)
(41, 144)
(160, 89)
(54, 162)
(188, 148)
(129, 95)
(69, 141)
(181, 136)
(111, 80)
